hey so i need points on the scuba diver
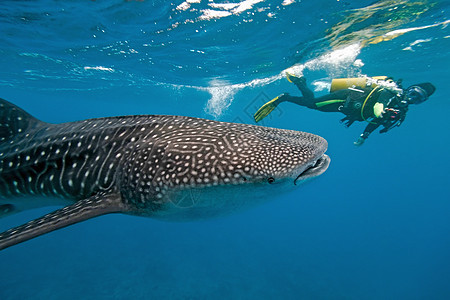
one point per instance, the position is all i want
(377, 100)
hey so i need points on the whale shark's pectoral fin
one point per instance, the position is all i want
(99, 204)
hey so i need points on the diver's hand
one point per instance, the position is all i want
(347, 122)
(359, 142)
(267, 108)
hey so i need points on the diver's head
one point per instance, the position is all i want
(419, 93)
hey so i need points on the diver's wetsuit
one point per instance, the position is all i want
(351, 102)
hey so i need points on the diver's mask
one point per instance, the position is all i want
(416, 95)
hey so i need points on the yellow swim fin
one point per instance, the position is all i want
(295, 79)
(290, 77)
(266, 109)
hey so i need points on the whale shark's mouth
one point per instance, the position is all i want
(314, 170)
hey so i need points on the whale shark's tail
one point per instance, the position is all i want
(14, 120)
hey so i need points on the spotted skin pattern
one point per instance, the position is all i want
(171, 167)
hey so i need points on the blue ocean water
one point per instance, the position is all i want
(375, 226)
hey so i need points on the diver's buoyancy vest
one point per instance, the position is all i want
(374, 84)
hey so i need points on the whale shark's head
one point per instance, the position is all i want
(208, 168)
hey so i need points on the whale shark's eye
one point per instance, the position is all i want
(271, 180)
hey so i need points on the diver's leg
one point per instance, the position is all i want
(328, 103)
(300, 83)
(302, 101)
(306, 92)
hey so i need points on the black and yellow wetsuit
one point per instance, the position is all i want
(357, 104)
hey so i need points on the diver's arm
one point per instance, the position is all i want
(394, 122)
(395, 116)
(367, 131)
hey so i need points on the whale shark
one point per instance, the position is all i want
(172, 168)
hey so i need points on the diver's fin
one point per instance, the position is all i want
(14, 120)
(295, 79)
(82, 210)
(289, 77)
(267, 108)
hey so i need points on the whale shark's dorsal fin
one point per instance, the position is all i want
(99, 204)
(14, 120)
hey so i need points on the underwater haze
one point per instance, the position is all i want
(375, 225)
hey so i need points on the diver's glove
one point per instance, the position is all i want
(360, 140)
(267, 108)
(347, 121)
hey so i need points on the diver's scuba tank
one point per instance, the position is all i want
(384, 82)
(358, 82)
